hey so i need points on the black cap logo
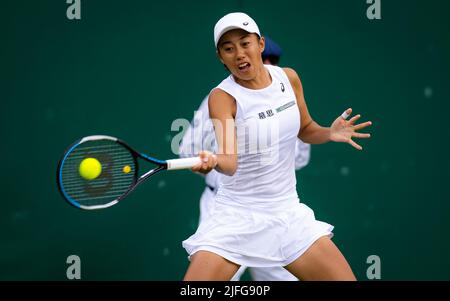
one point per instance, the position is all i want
(282, 87)
(245, 23)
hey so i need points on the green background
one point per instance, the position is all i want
(129, 68)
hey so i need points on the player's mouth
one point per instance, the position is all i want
(243, 67)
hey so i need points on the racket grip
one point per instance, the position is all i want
(184, 163)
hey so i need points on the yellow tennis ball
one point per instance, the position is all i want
(126, 169)
(90, 168)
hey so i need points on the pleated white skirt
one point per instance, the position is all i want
(256, 238)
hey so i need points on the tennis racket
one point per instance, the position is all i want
(112, 169)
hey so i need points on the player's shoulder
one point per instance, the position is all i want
(293, 77)
(218, 94)
(291, 73)
(220, 102)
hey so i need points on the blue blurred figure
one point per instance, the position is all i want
(272, 52)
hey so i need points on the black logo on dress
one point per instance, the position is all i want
(282, 87)
(266, 114)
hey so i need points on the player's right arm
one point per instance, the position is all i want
(222, 111)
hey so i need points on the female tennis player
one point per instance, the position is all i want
(200, 135)
(257, 219)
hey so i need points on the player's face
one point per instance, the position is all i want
(241, 52)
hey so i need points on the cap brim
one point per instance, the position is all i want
(227, 29)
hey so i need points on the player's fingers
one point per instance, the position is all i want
(354, 118)
(196, 167)
(361, 135)
(362, 125)
(204, 156)
(355, 145)
(208, 161)
(346, 113)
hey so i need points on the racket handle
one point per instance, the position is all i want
(184, 163)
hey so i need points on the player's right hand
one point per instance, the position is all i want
(208, 162)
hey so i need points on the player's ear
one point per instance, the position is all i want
(262, 44)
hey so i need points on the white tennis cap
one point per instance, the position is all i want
(234, 21)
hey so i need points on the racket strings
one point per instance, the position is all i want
(118, 173)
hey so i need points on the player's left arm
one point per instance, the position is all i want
(340, 130)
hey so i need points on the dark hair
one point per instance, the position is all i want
(274, 60)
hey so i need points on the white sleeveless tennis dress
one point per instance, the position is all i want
(257, 219)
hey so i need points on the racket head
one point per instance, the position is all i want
(119, 172)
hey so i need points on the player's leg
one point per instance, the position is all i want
(207, 265)
(322, 261)
(239, 273)
(207, 202)
(271, 274)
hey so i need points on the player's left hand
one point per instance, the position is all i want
(343, 131)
